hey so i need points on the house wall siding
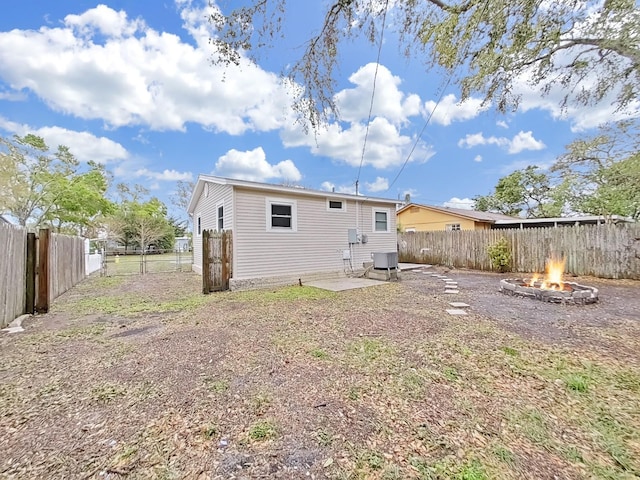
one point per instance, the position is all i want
(317, 244)
(206, 208)
(426, 220)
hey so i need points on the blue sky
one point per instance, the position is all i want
(130, 84)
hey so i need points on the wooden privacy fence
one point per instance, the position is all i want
(607, 251)
(12, 272)
(36, 270)
(217, 251)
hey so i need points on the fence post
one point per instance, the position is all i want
(42, 302)
(225, 260)
(30, 275)
(206, 275)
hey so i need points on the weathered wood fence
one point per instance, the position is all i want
(217, 264)
(607, 251)
(36, 270)
(12, 272)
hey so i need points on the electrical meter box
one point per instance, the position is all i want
(353, 235)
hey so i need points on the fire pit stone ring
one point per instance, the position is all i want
(573, 293)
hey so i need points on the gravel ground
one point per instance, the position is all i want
(618, 306)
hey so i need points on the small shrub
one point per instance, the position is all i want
(500, 255)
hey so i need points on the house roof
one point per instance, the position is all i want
(577, 219)
(281, 189)
(487, 217)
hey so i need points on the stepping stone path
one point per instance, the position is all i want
(450, 287)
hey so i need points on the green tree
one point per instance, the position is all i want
(590, 47)
(603, 171)
(43, 188)
(527, 191)
(141, 224)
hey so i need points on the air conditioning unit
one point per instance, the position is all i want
(385, 260)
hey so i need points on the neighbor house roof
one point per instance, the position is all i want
(580, 220)
(487, 217)
(281, 189)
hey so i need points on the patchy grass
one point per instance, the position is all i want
(264, 430)
(107, 392)
(372, 383)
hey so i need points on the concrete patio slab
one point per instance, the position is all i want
(341, 284)
(411, 266)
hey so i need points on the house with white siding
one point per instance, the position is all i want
(282, 234)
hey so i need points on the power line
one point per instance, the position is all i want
(415, 144)
(373, 92)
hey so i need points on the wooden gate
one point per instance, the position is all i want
(217, 252)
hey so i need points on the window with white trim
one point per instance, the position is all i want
(453, 226)
(380, 219)
(336, 205)
(198, 226)
(281, 215)
(220, 217)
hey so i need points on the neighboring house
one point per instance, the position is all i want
(182, 244)
(560, 221)
(423, 218)
(282, 234)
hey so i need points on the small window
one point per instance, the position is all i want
(453, 226)
(281, 215)
(220, 223)
(380, 221)
(336, 205)
(199, 226)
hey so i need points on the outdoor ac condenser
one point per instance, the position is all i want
(385, 260)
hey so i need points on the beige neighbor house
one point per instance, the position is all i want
(282, 234)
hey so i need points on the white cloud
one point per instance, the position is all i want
(450, 110)
(455, 202)
(102, 65)
(332, 187)
(520, 142)
(388, 101)
(379, 185)
(252, 165)
(84, 145)
(165, 175)
(386, 146)
(525, 141)
(477, 158)
(502, 124)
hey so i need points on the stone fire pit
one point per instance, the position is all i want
(571, 293)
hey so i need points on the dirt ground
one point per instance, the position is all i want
(144, 377)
